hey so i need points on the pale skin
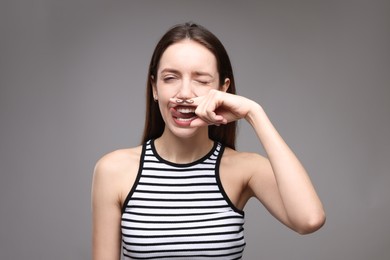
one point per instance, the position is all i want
(187, 70)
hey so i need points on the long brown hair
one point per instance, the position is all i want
(154, 124)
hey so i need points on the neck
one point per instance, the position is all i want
(183, 150)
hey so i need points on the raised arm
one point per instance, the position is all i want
(280, 181)
(303, 209)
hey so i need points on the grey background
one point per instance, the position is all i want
(73, 75)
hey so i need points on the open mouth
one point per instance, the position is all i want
(184, 114)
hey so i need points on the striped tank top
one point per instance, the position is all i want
(180, 211)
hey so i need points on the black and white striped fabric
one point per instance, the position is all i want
(180, 211)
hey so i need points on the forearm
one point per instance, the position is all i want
(300, 200)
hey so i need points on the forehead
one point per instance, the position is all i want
(188, 55)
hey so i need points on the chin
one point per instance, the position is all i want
(183, 132)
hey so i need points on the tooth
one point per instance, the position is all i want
(186, 110)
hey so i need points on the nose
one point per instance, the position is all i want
(185, 90)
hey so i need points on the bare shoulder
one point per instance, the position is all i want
(247, 165)
(247, 162)
(117, 161)
(115, 172)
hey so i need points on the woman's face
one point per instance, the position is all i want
(186, 70)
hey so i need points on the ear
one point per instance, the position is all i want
(154, 88)
(225, 85)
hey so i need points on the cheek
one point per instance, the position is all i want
(202, 91)
(164, 96)
(163, 91)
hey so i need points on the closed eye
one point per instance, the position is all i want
(203, 82)
(169, 78)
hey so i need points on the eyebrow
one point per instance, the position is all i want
(167, 70)
(201, 73)
(196, 73)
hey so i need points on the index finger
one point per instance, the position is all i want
(195, 101)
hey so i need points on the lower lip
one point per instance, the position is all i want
(184, 122)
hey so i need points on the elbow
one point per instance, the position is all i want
(312, 224)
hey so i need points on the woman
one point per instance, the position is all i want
(181, 194)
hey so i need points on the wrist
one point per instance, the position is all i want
(254, 111)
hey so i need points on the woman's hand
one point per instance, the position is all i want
(219, 107)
